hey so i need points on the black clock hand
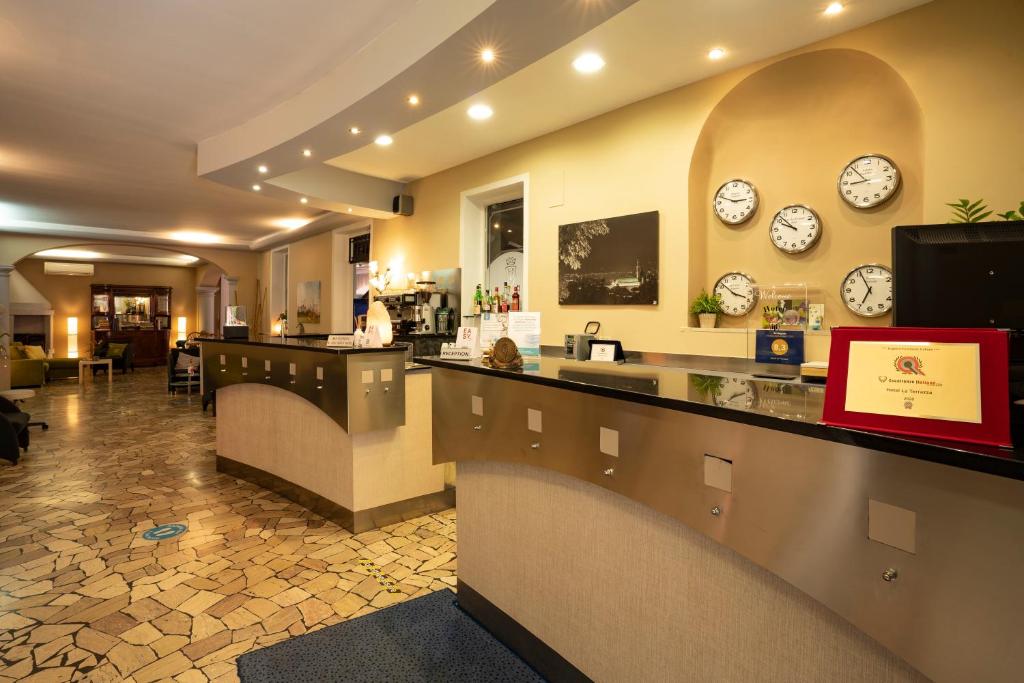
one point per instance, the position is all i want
(728, 289)
(857, 172)
(788, 224)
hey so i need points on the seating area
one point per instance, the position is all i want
(183, 368)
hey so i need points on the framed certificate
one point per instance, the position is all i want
(936, 383)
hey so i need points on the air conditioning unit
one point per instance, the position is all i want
(64, 268)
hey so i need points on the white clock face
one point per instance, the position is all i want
(867, 290)
(736, 290)
(735, 201)
(736, 393)
(795, 229)
(869, 181)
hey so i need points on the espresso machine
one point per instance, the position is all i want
(430, 307)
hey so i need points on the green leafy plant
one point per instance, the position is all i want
(707, 385)
(966, 211)
(706, 303)
(1012, 215)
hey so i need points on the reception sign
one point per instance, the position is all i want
(937, 383)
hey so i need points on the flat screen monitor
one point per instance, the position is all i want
(959, 275)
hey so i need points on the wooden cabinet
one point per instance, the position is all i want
(133, 314)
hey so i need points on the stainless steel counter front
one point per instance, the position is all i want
(925, 558)
(363, 390)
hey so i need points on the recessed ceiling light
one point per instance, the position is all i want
(480, 112)
(487, 55)
(262, 169)
(188, 259)
(256, 188)
(413, 100)
(588, 63)
(833, 9)
(304, 200)
(383, 140)
(307, 152)
(355, 130)
(350, 209)
(716, 53)
(497, 225)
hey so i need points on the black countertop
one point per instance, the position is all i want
(705, 388)
(304, 344)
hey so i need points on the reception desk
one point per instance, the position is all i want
(642, 523)
(344, 432)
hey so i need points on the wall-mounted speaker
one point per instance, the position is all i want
(402, 205)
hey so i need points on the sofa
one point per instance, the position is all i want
(28, 366)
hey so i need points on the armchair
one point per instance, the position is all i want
(13, 430)
(178, 362)
(27, 370)
(122, 355)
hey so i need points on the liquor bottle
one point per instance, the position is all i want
(496, 301)
(478, 301)
(486, 301)
(515, 298)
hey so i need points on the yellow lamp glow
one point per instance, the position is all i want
(378, 315)
(72, 337)
(182, 327)
(277, 327)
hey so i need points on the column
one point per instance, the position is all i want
(205, 309)
(228, 287)
(5, 324)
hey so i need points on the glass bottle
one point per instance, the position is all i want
(496, 301)
(515, 298)
(478, 300)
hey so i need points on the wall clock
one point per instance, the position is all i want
(736, 201)
(795, 229)
(869, 181)
(736, 290)
(736, 393)
(867, 290)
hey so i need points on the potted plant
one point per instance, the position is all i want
(706, 307)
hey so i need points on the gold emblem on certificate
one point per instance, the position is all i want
(930, 380)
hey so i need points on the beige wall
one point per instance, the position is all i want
(953, 65)
(310, 259)
(70, 296)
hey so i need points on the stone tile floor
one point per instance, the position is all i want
(84, 597)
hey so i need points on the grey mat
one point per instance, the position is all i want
(426, 639)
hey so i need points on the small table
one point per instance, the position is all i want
(19, 395)
(83, 364)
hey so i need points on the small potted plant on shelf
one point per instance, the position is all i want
(706, 307)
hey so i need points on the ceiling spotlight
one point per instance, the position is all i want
(355, 130)
(833, 9)
(413, 100)
(487, 55)
(716, 53)
(304, 200)
(350, 209)
(588, 63)
(262, 169)
(307, 152)
(480, 112)
(383, 140)
(256, 188)
(194, 236)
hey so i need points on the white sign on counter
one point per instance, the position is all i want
(524, 330)
(493, 326)
(339, 341)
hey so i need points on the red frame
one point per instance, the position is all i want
(994, 347)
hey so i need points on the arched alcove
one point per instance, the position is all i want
(790, 128)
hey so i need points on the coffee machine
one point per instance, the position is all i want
(430, 307)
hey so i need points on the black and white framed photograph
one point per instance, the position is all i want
(609, 262)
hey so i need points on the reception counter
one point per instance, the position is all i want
(634, 522)
(344, 432)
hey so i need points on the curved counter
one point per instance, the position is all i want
(343, 432)
(611, 517)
